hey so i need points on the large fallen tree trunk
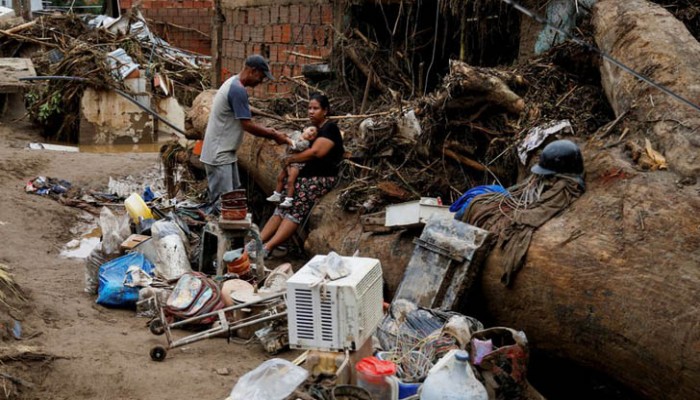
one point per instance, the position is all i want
(649, 39)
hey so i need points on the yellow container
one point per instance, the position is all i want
(136, 208)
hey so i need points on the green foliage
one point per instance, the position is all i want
(43, 106)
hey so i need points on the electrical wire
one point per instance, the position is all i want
(603, 54)
(432, 59)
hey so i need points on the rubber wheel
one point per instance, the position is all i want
(156, 327)
(158, 353)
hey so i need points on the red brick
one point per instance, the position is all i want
(286, 33)
(304, 13)
(320, 36)
(188, 4)
(287, 70)
(297, 34)
(283, 14)
(325, 51)
(274, 14)
(257, 34)
(308, 34)
(293, 14)
(276, 69)
(276, 33)
(257, 16)
(252, 48)
(267, 33)
(264, 15)
(243, 17)
(238, 50)
(327, 14)
(245, 33)
(315, 15)
(283, 53)
(238, 33)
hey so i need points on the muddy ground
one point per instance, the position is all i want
(91, 352)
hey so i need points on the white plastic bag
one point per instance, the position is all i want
(332, 267)
(115, 229)
(274, 379)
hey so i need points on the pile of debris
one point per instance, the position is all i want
(101, 52)
(465, 133)
(180, 274)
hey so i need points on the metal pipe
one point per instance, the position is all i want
(217, 331)
(226, 309)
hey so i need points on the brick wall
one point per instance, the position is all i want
(274, 30)
(182, 23)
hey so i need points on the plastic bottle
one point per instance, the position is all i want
(136, 208)
(452, 378)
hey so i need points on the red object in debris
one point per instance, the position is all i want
(234, 214)
(239, 266)
(198, 147)
(374, 368)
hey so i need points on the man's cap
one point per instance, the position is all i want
(258, 62)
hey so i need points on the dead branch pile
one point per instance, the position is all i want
(66, 45)
(468, 128)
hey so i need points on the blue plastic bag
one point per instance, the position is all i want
(462, 203)
(111, 290)
(148, 194)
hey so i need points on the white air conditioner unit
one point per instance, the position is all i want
(336, 315)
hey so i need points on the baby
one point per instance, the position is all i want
(299, 142)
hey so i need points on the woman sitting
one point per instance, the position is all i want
(316, 179)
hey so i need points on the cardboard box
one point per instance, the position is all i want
(132, 241)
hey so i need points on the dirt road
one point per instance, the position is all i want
(99, 353)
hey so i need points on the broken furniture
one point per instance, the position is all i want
(219, 236)
(444, 264)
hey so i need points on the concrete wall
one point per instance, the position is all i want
(273, 29)
(182, 23)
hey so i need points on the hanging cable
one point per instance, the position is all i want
(432, 59)
(603, 54)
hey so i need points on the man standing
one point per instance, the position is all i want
(230, 116)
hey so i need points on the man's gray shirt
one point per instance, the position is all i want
(224, 131)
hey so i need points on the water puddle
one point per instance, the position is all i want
(89, 238)
(80, 248)
(121, 148)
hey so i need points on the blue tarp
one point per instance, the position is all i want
(111, 290)
(462, 203)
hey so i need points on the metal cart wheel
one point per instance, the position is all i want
(156, 327)
(158, 353)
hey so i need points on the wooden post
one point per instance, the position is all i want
(218, 20)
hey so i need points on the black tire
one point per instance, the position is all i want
(158, 353)
(156, 327)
